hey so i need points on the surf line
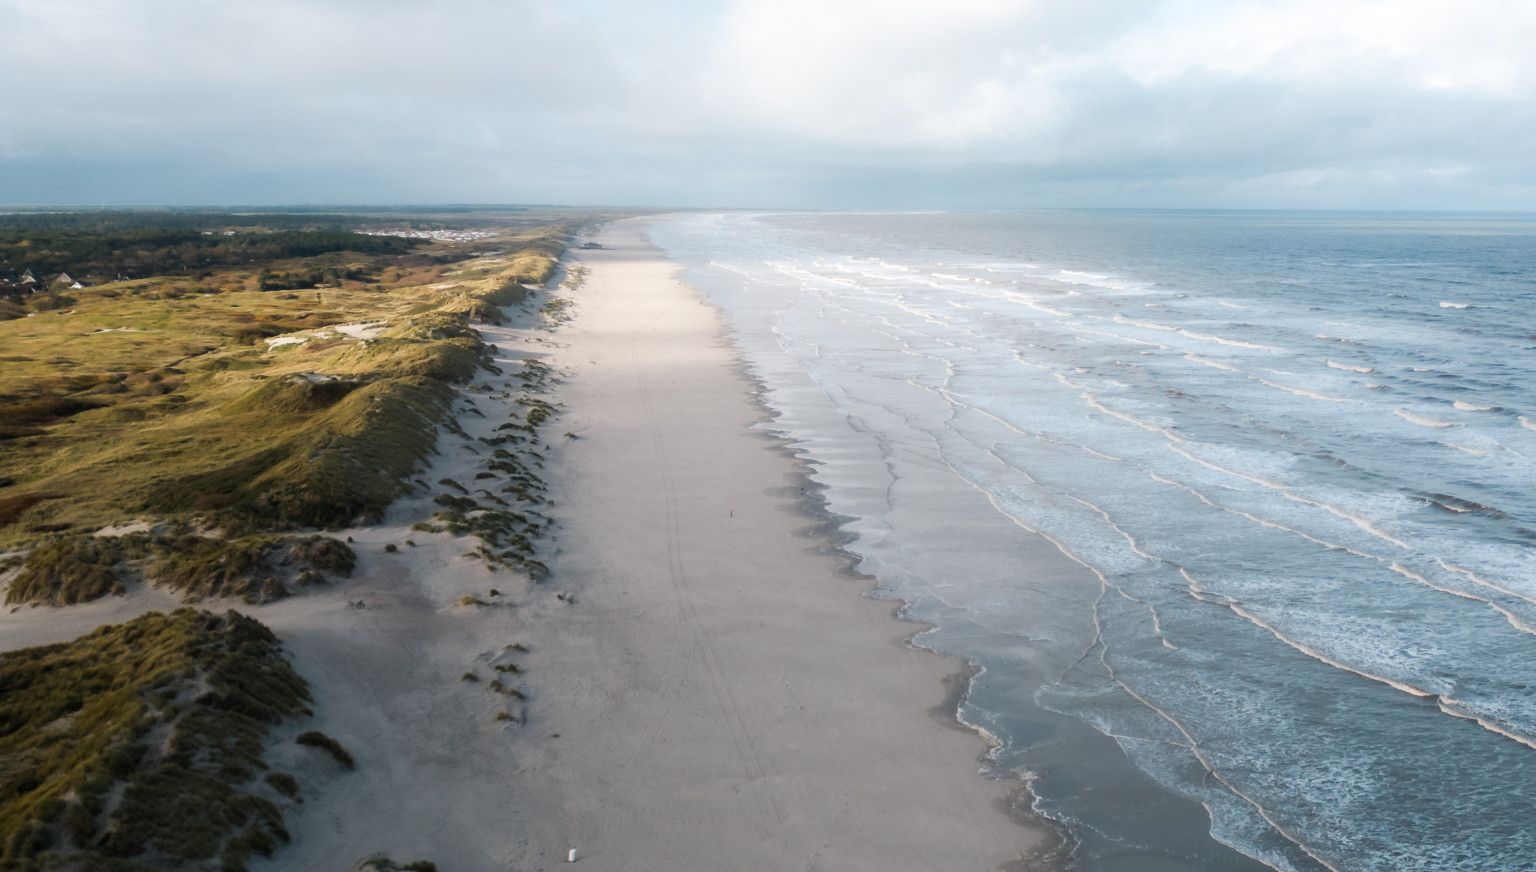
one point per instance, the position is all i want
(1098, 641)
(1362, 523)
(1514, 620)
(1444, 704)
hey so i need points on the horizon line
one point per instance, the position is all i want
(320, 207)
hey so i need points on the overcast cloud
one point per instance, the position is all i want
(833, 103)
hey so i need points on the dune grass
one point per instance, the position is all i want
(317, 739)
(509, 520)
(382, 863)
(139, 746)
(65, 569)
(161, 399)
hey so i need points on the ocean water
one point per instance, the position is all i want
(1290, 460)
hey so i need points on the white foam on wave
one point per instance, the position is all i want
(1116, 336)
(1079, 274)
(1360, 521)
(1318, 655)
(1262, 522)
(1349, 367)
(1098, 280)
(1088, 397)
(1204, 337)
(1101, 455)
(1455, 709)
(1446, 705)
(1471, 407)
(1484, 582)
(1041, 307)
(1423, 420)
(1527, 423)
(1300, 392)
(1467, 449)
(1205, 361)
(1447, 304)
(728, 267)
(1405, 572)
(1514, 620)
(1229, 305)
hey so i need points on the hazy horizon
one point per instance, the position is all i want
(429, 207)
(1184, 104)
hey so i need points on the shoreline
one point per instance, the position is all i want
(1159, 829)
(516, 792)
(780, 719)
(1019, 804)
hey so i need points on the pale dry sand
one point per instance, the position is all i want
(724, 696)
(719, 696)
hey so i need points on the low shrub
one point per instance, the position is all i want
(64, 570)
(317, 739)
(164, 713)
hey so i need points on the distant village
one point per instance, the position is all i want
(438, 235)
(17, 286)
(25, 283)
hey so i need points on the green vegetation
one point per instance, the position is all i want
(160, 397)
(505, 689)
(284, 783)
(75, 568)
(508, 520)
(382, 863)
(135, 252)
(68, 570)
(317, 739)
(140, 746)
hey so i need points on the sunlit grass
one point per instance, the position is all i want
(160, 398)
(142, 742)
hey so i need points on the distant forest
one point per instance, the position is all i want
(138, 244)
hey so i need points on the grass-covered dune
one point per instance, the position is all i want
(139, 746)
(64, 570)
(202, 400)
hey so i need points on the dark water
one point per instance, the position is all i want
(1295, 453)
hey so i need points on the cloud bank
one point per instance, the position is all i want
(836, 103)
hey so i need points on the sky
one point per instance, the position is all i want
(1331, 104)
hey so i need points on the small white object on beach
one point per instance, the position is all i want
(571, 856)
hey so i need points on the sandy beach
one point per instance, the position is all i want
(705, 686)
(723, 695)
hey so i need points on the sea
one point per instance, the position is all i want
(1234, 513)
